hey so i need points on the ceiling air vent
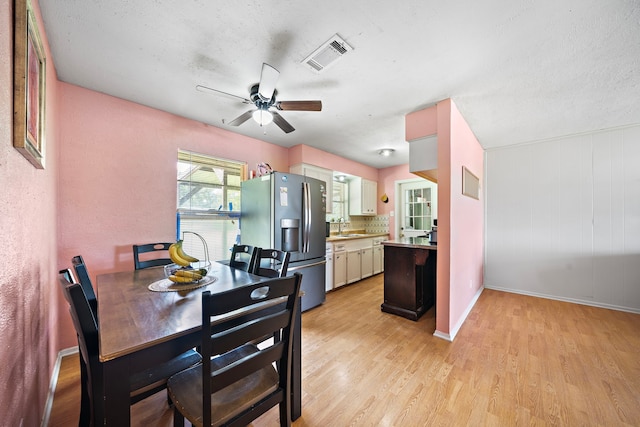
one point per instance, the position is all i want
(327, 54)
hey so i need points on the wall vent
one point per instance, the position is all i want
(327, 54)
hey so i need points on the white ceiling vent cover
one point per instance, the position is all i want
(327, 54)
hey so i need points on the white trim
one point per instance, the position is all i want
(443, 336)
(564, 299)
(452, 334)
(54, 382)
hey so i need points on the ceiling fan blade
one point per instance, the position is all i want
(241, 118)
(299, 105)
(282, 123)
(217, 92)
(268, 80)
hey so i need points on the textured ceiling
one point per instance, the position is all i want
(518, 71)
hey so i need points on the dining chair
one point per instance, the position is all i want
(146, 248)
(85, 281)
(271, 263)
(237, 380)
(142, 384)
(243, 257)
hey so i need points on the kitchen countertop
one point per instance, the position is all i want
(412, 242)
(336, 238)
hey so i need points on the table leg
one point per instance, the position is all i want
(116, 393)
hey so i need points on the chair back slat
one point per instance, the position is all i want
(271, 263)
(148, 248)
(270, 308)
(85, 281)
(243, 257)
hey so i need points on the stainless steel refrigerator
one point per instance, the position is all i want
(287, 212)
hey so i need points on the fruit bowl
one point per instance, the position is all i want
(192, 273)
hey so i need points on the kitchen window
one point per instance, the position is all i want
(208, 202)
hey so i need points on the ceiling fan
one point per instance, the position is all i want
(263, 96)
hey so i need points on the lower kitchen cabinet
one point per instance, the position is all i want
(378, 259)
(339, 269)
(366, 262)
(354, 269)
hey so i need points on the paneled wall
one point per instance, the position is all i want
(563, 219)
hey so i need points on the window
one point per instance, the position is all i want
(208, 202)
(340, 200)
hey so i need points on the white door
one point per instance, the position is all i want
(418, 207)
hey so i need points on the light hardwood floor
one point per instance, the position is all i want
(517, 360)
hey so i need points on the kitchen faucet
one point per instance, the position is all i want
(340, 221)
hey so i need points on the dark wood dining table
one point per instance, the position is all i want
(139, 328)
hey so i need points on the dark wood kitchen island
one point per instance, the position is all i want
(409, 276)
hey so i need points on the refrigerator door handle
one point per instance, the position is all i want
(306, 266)
(306, 207)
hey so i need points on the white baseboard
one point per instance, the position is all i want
(454, 331)
(53, 383)
(564, 299)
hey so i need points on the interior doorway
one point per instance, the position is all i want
(417, 207)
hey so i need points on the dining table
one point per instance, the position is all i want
(140, 327)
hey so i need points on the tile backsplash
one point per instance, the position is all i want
(374, 224)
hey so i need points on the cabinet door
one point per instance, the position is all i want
(369, 197)
(353, 266)
(339, 269)
(328, 278)
(378, 259)
(322, 174)
(366, 262)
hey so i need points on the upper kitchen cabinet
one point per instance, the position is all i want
(319, 173)
(363, 197)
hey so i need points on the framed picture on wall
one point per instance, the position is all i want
(28, 85)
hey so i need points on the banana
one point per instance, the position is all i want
(191, 274)
(183, 255)
(174, 255)
(179, 279)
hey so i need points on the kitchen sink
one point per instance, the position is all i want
(350, 235)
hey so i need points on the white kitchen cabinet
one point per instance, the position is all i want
(378, 254)
(363, 197)
(317, 172)
(339, 267)
(328, 278)
(366, 262)
(354, 269)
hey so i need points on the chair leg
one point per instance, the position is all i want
(85, 398)
(285, 415)
(178, 418)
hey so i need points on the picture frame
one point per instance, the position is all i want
(470, 184)
(29, 79)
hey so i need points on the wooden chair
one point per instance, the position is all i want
(85, 281)
(150, 247)
(241, 382)
(243, 257)
(276, 263)
(142, 384)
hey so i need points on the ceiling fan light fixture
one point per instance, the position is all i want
(262, 116)
(386, 152)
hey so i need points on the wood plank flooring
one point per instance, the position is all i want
(517, 360)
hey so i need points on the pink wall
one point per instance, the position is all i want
(28, 280)
(118, 175)
(387, 178)
(467, 220)
(460, 218)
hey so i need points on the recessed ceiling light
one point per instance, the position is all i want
(386, 152)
